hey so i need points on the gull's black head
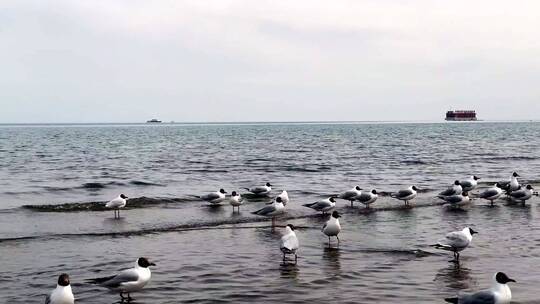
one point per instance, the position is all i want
(515, 174)
(465, 193)
(456, 182)
(335, 214)
(358, 188)
(291, 226)
(472, 232)
(233, 193)
(63, 279)
(278, 199)
(123, 196)
(374, 191)
(498, 185)
(475, 177)
(143, 262)
(268, 185)
(502, 278)
(222, 191)
(332, 200)
(529, 187)
(414, 188)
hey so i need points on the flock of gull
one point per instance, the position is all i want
(457, 195)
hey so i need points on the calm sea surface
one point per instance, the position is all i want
(54, 180)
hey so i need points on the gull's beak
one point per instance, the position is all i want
(511, 280)
(152, 264)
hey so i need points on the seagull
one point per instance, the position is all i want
(456, 241)
(129, 280)
(351, 195)
(284, 197)
(289, 242)
(236, 200)
(332, 227)
(260, 190)
(522, 195)
(214, 197)
(512, 184)
(455, 189)
(368, 198)
(499, 293)
(406, 194)
(322, 205)
(469, 183)
(272, 210)
(492, 193)
(458, 199)
(117, 203)
(62, 294)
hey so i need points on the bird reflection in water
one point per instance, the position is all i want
(456, 277)
(289, 270)
(331, 255)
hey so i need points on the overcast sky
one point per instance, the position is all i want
(129, 61)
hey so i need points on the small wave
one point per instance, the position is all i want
(143, 183)
(97, 185)
(414, 162)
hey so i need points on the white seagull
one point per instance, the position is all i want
(129, 280)
(351, 195)
(469, 183)
(332, 227)
(289, 242)
(456, 200)
(236, 200)
(456, 241)
(512, 184)
(499, 293)
(455, 189)
(116, 204)
(492, 193)
(406, 194)
(62, 294)
(521, 195)
(214, 198)
(272, 210)
(368, 198)
(324, 205)
(260, 190)
(284, 197)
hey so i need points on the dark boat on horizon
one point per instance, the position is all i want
(461, 115)
(153, 120)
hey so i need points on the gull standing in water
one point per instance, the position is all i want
(62, 294)
(351, 195)
(289, 242)
(116, 204)
(214, 198)
(455, 189)
(272, 210)
(492, 193)
(499, 293)
(469, 183)
(456, 200)
(332, 227)
(456, 241)
(260, 190)
(521, 195)
(512, 184)
(368, 198)
(129, 280)
(322, 205)
(236, 200)
(406, 195)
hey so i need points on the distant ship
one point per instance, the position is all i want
(153, 120)
(461, 115)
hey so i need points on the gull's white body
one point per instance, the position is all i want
(289, 241)
(350, 194)
(469, 184)
(116, 203)
(61, 295)
(284, 197)
(456, 241)
(236, 200)
(214, 197)
(332, 227)
(142, 274)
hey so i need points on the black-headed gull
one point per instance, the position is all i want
(129, 280)
(236, 200)
(117, 203)
(289, 242)
(332, 227)
(214, 198)
(260, 190)
(368, 198)
(272, 210)
(469, 183)
(456, 241)
(521, 195)
(324, 205)
(512, 184)
(351, 195)
(406, 194)
(492, 193)
(455, 189)
(62, 294)
(499, 293)
(456, 200)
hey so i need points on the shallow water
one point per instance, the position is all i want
(212, 255)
